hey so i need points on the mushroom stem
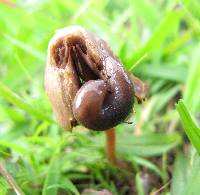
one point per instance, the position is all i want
(111, 146)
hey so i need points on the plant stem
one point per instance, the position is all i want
(111, 146)
(10, 180)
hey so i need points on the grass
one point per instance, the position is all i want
(158, 41)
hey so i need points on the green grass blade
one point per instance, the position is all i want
(192, 92)
(68, 185)
(53, 173)
(53, 180)
(165, 28)
(193, 178)
(40, 56)
(147, 145)
(139, 184)
(191, 129)
(146, 163)
(13, 98)
(52, 177)
(179, 178)
(4, 187)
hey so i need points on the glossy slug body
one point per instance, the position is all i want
(85, 82)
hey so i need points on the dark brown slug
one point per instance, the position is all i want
(86, 83)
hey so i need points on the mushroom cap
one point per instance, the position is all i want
(85, 82)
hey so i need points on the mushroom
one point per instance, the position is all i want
(87, 84)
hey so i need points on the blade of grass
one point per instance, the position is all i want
(53, 173)
(67, 185)
(166, 72)
(193, 178)
(190, 127)
(10, 180)
(139, 184)
(192, 92)
(4, 186)
(14, 146)
(13, 98)
(165, 28)
(178, 42)
(148, 11)
(146, 163)
(179, 177)
(147, 145)
(53, 178)
(40, 56)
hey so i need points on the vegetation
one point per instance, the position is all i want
(156, 40)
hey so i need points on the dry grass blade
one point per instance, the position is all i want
(10, 180)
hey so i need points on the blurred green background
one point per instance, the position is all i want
(158, 41)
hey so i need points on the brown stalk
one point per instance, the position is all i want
(10, 180)
(111, 146)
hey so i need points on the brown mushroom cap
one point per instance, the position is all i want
(85, 82)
